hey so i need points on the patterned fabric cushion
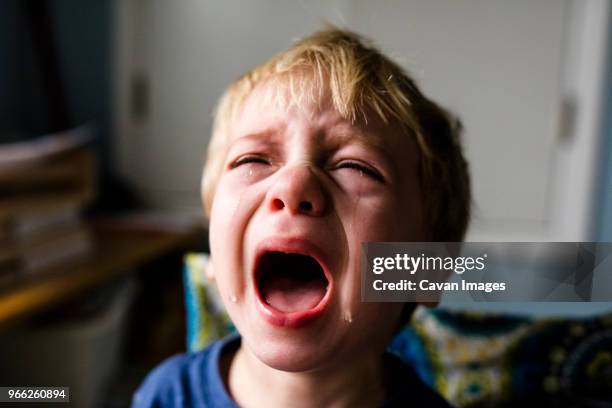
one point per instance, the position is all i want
(472, 359)
(480, 359)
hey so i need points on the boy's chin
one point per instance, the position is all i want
(293, 352)
(292, 358)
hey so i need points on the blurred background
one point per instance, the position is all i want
(105, 115)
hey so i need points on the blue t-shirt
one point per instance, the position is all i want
(194, 380)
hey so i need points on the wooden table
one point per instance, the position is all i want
(117, 251)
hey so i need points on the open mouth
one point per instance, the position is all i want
(290, 282)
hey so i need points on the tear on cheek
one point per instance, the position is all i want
(250, 173)
(353, 300)
(357, 229)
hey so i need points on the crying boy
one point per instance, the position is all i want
(323, 147)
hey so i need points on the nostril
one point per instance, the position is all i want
(278, 204)
(305, 206)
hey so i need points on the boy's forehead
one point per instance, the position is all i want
(270, 111)
(337, 136)
(274, 102)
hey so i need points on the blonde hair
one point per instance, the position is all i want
(359, 79)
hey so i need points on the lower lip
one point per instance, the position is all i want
(293, 320)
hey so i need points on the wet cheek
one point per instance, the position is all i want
(370, 218)
(234, 205)
(228, 198)
(357, 184)
(249, 174)
(225, 239)
(358, 215)
(366, 218)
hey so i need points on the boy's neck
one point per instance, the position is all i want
(356, 383)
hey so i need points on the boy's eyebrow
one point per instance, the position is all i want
(267, 135)
(365, 139)
(338, 137)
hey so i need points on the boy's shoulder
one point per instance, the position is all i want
(185, 380)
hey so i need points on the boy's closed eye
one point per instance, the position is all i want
(362, 168)
(250, 158)
(353, 165)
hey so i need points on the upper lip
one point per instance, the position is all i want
(291, 245)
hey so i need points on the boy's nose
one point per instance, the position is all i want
(299, 191)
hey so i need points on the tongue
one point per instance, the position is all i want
(290, 295)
